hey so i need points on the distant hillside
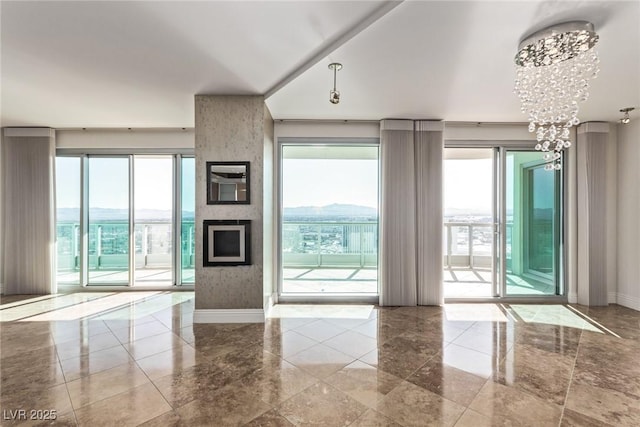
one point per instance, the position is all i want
(106, 214)
(336, 210)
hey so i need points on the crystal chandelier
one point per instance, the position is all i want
(553, 69)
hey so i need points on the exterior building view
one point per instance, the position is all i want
(331, 213)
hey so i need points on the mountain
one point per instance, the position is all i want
(108, 214)
(334, 211)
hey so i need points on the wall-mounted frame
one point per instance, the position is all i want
(228, 183)
(226, 242)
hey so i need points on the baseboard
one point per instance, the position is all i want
(572, 298)
(628, 301)
(612, 298)
(241, 315)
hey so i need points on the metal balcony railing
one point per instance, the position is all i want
(329, 244)
(108, 245)
(468, 244)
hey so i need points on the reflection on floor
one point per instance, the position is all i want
(477, 283)
(330, 280)
(136, 359)
(143, 277)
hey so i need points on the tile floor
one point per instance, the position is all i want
(136, 359)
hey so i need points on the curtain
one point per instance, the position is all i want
(429, 145)
(28, 203)
(397, 216)
(592, 174)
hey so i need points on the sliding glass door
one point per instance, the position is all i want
(125, 219)
(533, 225)
(108, 191)
(329, 220)
(469, 222)
(503, 224)
(153, 219)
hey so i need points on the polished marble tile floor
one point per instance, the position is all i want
(136, 358)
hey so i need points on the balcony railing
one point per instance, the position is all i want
(329, 244)
(108, 243)
(304, 244)
(468, 244)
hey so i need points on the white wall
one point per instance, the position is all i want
(113, 139)
(628, 230)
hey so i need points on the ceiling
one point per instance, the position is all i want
(139, 64)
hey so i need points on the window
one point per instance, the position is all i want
(132, 206)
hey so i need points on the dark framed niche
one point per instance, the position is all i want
(228, 183)
(226, 243)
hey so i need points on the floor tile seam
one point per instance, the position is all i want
(280, 403)
(84, 407)
(107, 397)
(149, 336)
(316, 377)
(129, 360)
(183, 343)
(344, 332)
(73, 410)
(571, 377)
(89, 352)
(154, 386)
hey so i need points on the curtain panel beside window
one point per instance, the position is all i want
(28, 203)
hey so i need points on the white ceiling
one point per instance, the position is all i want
(138, 64)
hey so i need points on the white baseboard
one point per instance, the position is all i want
(612, 298)
(241, 315)
(572, 298)
(628, 301)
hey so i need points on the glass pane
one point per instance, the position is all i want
(68, 219)
(533, 225)
(468, 222)
(153, 236)
(330, 219)
(188, 240)
(108, 220)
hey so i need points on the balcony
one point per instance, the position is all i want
(108, 260)
(330, 257)
(318, 257)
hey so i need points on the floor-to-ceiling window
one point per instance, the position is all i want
(329, 219)
(532, 224)
(503, 224)
(125, 219)
(153, 219)
(68, 202)
(469, 218)
(108, 237)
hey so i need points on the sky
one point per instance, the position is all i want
(306, 182)
(109, 183)
(322, 182)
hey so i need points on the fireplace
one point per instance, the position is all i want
(227, 242)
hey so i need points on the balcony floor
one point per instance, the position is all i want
(144, 277)
(476, 283)
(309, 280)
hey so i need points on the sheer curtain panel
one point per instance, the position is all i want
(429, 145)
(28, 203)
(397, 216)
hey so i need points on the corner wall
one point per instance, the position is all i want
(230, 128)
(628, 230)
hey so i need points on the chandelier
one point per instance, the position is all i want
(553, 69)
